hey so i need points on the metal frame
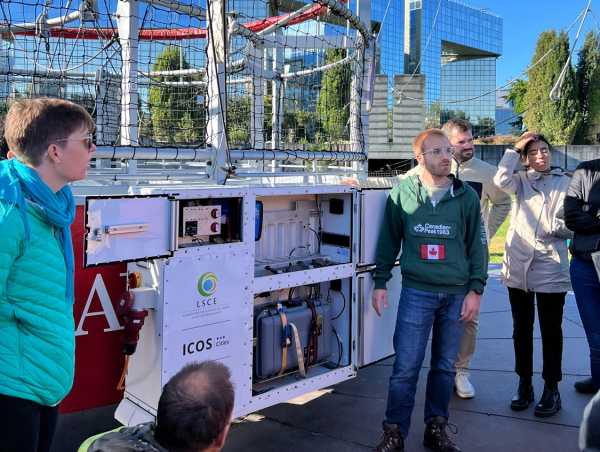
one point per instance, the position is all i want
(219, 157)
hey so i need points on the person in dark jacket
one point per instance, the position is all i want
(582, 216)
(193, 415)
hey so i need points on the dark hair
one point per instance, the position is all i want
(457, 123)
(195, 407)
(536, 137)
(31, 125)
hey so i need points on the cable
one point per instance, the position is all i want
(343, 306)
(555, 91)
(387, 7)
(340, 347)
(318, 238)
(504, 121)
(295, 248)
(510, 82)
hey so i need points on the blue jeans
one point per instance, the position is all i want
(418, 312)
(586, 286)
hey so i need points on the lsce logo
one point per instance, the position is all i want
(207, 284)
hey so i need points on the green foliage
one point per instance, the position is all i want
(485, 126)
(238, 120)
(300, 125)
(588, 87)
(516, 95)
(433, 115)
(557, 120)
(445, 115)
(175, 115)
(334, 97)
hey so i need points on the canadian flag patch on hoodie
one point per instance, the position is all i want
(433, 252)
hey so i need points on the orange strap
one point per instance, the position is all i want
(121, 383)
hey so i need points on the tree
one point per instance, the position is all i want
(558, 120)
(485, 126)
(333, 105)
(445, 115)
(238, 119)
(175, 112)
(433, 115)
(516, 97)
(588, 88)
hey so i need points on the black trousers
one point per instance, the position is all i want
(26, 426)
(550, 313)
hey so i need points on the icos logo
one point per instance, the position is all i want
(204, 345)
(207, 284)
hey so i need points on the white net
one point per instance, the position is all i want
(291, 71)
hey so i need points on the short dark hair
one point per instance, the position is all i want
(457, 123)
(536, 137)
(195, 407)
(31, 125)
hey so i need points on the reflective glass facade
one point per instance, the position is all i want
(390, 42)
(454, 45)
(457, 46)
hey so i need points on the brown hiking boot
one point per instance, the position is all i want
(436, 438)
(392, 440)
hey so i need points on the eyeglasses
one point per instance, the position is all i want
(439, 152)
(87, 140)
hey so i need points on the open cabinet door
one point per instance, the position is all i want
(375, 334)
(128, 228)
(372, 208)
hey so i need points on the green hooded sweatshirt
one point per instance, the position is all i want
(444, 248)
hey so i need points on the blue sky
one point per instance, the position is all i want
(524, 20)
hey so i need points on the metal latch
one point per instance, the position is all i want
(135, 228)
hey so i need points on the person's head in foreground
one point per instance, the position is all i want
(52, 136)
(460, 133)
(433, 152)
(589, 433)
(194, 410)
(535, 151)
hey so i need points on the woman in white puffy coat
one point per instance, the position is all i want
(536, 265)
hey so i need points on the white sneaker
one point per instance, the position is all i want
(464, 388)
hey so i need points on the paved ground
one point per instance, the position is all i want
(348, 417)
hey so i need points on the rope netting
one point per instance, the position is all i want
(290, 71)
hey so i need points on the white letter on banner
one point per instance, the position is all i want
(107, 308)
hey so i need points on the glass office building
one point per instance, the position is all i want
(456, 46)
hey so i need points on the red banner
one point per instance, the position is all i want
(98, 357)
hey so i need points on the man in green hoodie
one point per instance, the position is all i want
(436, 220)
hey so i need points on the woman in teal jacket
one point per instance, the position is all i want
(50, 144)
